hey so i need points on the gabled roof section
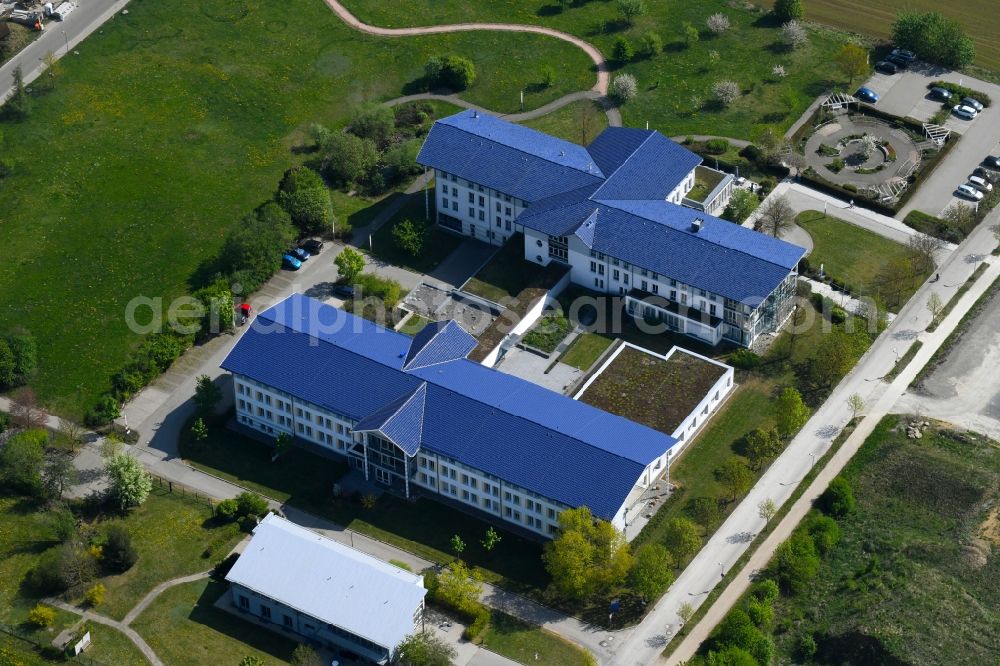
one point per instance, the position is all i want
(653, 170)
(438, 342)
(329, 581)
(402, 421)
(515, 160)
(615, 145)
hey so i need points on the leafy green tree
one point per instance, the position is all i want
(220, 312)
(623, 50)
(735, 476)
(206, 395)
(457, 545)
(42, 616)
(282, 443)
(825, 533)
(766, 590)
(349, 264)
(118, 554)
(253, 249)
(790, 412)
(21, 462)
(741, 205)
(411, 236)
(374, 121)
(58, 473)
(303, 194)
(423, 649)
(705, 511)
(761, 613)
(796, 562)
(129, 482)
(652, 44)
(7, 367)
(588, 556)
(681, 537)
(852, 59)
(451, 71)
(459, 587)
(934, 38)
(838, 498)
(348, 158)
(690, 34)
(763, 444)
(491, 540)
(401, 160)
(631, 10)
(199, 431)
(766, 509)
(304, 655)
(18, 106)
(250, 504)
(685, 612)
(731, 656)
(788, 10)
(651, 572)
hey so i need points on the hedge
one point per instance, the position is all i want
(934, 226)
(962, 91)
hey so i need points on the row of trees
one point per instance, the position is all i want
(18, 359)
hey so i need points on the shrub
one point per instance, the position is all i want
(766, 590)
(410, 236)
(386, 290)
(45, 577)
(401, 161)
(788, 10)
(796, 562)
(303, 194)
(838, 315)
(4, 421)
(474, 632)
(623, 50)
(95, 595)
(652, 44)
(251, 504)
(223, 568)
(851, 188)
(962, 91)
(42, 616)
(716, 146)
(838, 499)
(375, 122)
(450, 71)
(825, 533)
(348, 158)
(631, 9)
(745, 359)
(624, 88)
(119, 553)
(794, 34)
(227, 509)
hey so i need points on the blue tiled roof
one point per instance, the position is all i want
(438, 342)
(651, 172)
(615, 145)
(515, 160)
(525, 434)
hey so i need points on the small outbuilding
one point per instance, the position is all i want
(329, 594)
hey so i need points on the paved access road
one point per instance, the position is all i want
(88, 17)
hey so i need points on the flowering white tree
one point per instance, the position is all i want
(794, 34)
(868, 146)
(624, 87)
(726, 91)
(779, 71)
(717, 23)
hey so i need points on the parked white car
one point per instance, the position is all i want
(981, 184)
(969, 192)
(963, 111)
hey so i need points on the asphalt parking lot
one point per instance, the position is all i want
(905, 94)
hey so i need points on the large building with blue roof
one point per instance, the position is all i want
(416, 415)
(618, 213)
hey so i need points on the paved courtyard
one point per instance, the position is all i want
(439, 303)
(530, 366)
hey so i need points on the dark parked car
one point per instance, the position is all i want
(900, 62)
(344, 291)
(986, 174)
(904, 55)
(886, 67)
(940, 93)
(867, 95)
(973, 103)
(299, 253)
(311, 245)
(992, 161)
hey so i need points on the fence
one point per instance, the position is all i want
(45, 650)
(175, 488)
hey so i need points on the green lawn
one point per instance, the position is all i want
(296, 476)
(506, 275)
(112, 647)
(183, 627)
(667, 82)
(585, 350)
(414, 324)
(171, 534)
(913, 579)
(529, 644)
(167, 130)
(856, 256)
(438, 245)
(579, 122)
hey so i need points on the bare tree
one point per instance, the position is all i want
(960, 215)
(24, 409)
(775, 216)
(72, 432)
(923, 249)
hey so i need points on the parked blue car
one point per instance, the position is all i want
(867, 95)
(291, 263)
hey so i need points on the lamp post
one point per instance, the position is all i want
(67, 41)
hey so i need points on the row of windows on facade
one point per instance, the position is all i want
(300, 413)
(473, 186)
(493, 505)
(289, 623)
(493, 488)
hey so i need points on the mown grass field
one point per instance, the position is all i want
(979, 18)
(174, 122)
(913, 579)
(667, 83)
(579, 122)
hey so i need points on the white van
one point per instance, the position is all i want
(63, 10)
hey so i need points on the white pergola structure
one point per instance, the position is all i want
(936, 133)
(837, 101)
